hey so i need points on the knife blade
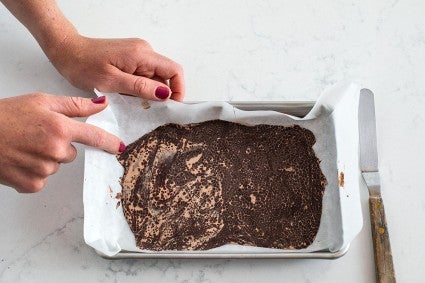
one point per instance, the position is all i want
(370, 171)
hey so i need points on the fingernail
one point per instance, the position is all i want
(99, 100)
(162, 92)
(122, 147)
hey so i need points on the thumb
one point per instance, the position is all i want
(78, 106)
(141, 86)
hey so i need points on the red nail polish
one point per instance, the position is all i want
(122, 147)
(99, 100)
(162, 92)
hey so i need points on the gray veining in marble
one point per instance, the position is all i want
(234, 50)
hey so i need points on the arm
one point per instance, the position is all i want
(128, 66)
(44, 21)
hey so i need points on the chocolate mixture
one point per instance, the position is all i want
(200, 186)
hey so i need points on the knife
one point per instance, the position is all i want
(370, 172)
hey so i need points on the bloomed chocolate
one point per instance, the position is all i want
(201, 186)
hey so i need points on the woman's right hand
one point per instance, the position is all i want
(36, 131)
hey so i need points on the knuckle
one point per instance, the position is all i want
(42, 170)
(99, 138)
(35, 185)
(179, 68)
(57, 152)
(76, 103)
(71, 155)
(58, 129)
(39, 97)
(141, 44)
(140, 85)
(46, 169)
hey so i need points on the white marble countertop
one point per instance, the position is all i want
(234, 50)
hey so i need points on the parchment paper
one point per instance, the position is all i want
(333, 120)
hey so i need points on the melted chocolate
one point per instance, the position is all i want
(200, 186)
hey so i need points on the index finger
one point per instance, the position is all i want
(96, 137)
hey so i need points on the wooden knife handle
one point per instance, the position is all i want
(381, 241)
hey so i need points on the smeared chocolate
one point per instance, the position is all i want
(200, 186)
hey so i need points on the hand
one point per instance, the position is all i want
(36, 134)
(127, 66)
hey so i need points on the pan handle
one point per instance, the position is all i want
(381, 241)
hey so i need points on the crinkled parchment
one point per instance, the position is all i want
(333, 120)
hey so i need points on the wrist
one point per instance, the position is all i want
(66, 55)
(53, 42)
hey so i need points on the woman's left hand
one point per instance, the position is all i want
(127, 66)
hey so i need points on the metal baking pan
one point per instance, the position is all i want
(203, 254)
(299, 109)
